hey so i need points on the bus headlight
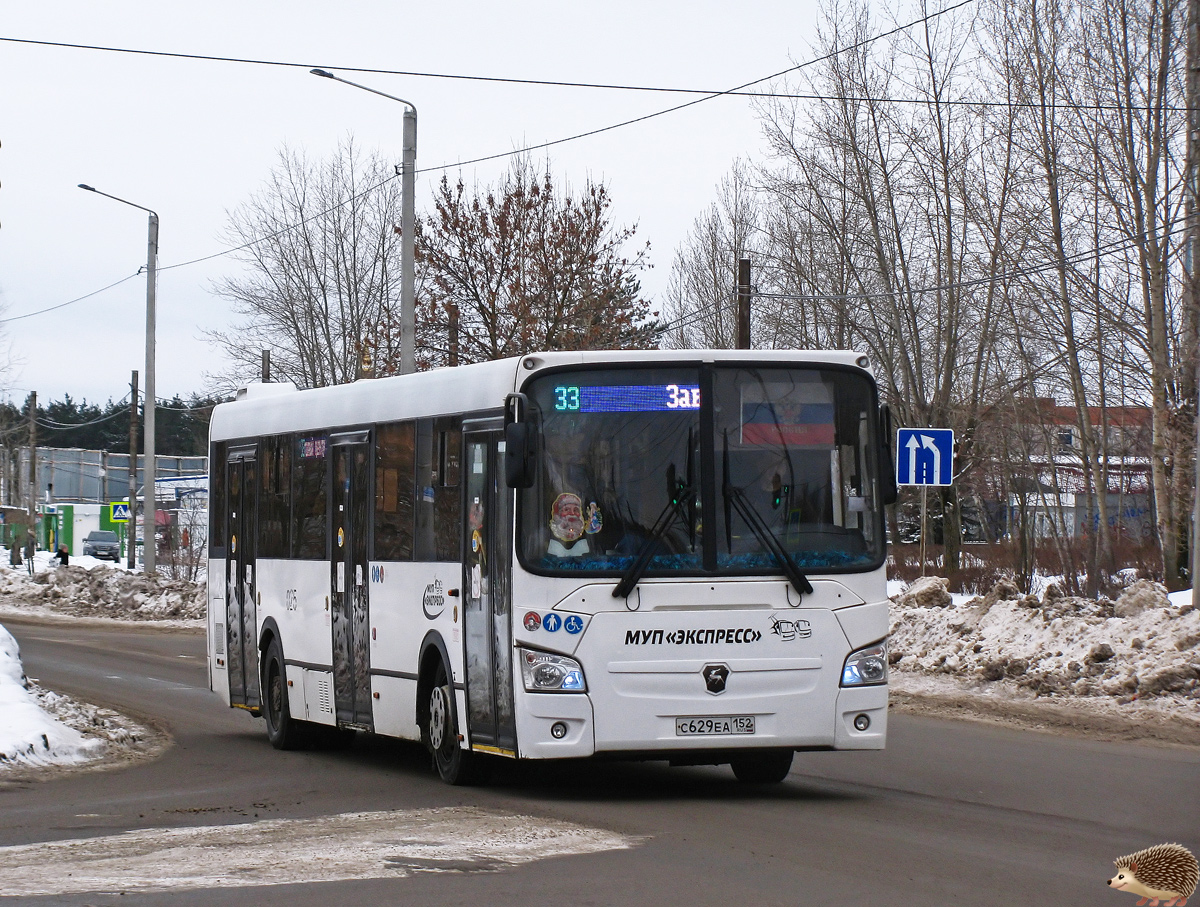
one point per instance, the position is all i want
(547, 673)
(866, 666)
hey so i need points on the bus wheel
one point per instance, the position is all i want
(284, 731)
(769, 767)
(454, 764)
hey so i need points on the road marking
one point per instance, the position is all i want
(372, 845)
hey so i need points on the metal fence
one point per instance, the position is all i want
(88, 476)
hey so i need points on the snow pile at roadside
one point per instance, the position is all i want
(1141, 650)
(40, 728)
(100, 591)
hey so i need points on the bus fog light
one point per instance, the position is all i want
(544, 672)
(866, 666)
(861, 722)
(558, 730)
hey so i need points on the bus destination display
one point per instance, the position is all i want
(626, 398)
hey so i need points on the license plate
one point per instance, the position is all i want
(714, 724)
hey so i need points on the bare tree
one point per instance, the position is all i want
(989, 207)
(323, 270)
(871, 227)
(1134, 54)
(522, 267)
(701, 299)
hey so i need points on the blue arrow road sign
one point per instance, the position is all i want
(925, 456)
(120, 513)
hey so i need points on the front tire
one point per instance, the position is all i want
(454, 764)
(283, 731)
(769, 767)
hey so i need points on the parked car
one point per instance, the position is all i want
(103, 544)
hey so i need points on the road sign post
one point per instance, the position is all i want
(925, 456)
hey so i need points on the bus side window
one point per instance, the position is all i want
(308, 498)
(216, 499)
(447, 502)
(395, 470)
(275, 502)
(423, 542)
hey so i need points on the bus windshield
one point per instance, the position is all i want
(629, 459)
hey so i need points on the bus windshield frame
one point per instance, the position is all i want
(631, 460)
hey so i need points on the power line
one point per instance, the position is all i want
(581, 135)
(1113, 248)
(550, 83)
(565, 83)
(64, 426)
(1099, 252)
(63, 305)
(538, 147)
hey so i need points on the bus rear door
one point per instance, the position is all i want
(241, 624)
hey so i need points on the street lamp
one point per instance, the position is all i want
(408, 242)
(150, 524)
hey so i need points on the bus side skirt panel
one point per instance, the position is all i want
(218, 674)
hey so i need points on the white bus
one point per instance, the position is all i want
(644, 555)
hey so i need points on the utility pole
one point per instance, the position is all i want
(408, 244)
(131, 526)
(1192, 283)
(408, 227)
(149, 516)
(29, 543)
(743, 297)
(149, 524)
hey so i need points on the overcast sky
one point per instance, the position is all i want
(193, 139)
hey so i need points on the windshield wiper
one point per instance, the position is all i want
(736, 498)
(677, 494)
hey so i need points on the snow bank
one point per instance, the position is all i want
(94, 589)
(1144, 646)
(41, 728)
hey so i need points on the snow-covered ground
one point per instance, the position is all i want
(91, 588)
(42, 728)
(1135, 659)
(1124, 668)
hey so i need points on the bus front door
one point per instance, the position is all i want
(349, 581)
(487, 597)
(241, 623)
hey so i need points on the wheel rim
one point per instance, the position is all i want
(275, 696)
(439, 718)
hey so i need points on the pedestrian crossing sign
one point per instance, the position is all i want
(120, 513)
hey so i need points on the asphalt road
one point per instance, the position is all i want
(951, 813)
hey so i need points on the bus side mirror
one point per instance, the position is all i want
(888, 491)
(520, 449)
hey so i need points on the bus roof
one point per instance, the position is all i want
(265, 409)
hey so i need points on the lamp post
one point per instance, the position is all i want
(408, 242)
(149, 523)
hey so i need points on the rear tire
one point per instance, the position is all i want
(454, 764)
(284, 731)
(769, 767)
